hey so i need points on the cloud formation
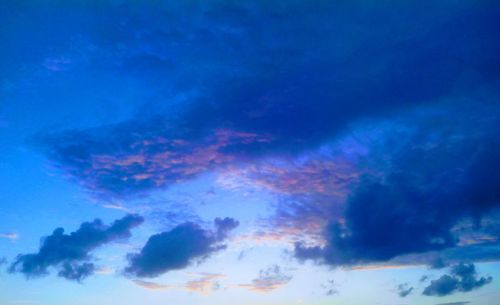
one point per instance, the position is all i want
(11, 236)
(249, 94)
(70, 253)
(177, 248)
(268, 280)
(404, 290)
(205, 284)
(462, 278)
(425, 187)
(153, 158)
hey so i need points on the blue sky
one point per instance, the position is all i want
(250, 152)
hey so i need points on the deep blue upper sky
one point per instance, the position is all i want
(270, 152)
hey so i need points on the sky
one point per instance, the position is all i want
(251, 152)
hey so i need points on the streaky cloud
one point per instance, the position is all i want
(267, 96)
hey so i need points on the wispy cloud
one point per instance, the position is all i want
(152, 285)
(268, 280)
(11, 236)
(205, 284)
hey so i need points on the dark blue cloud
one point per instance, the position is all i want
(177, 248)
(228, 82)
(76, 272)
(463, 278)
(224, 226)
(427, 184)
(71, 253)
(294, 76)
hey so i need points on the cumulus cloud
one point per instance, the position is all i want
(462, 278)
(268, 280)
(70, 253)
(424, 187)
(177, 248)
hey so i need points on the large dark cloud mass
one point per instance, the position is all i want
(431, 182)
(463, 278)
(225, 88)
(177, 248)
(71, 253)
(235, 83)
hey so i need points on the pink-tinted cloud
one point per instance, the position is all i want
(310, 190)
(329, 177)
(135, 163)
(152, 286)
(205, 284)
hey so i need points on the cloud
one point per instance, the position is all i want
(71, 252)
(454, 303)
(177, 248)
(142, 162)
(420, 191)
(404, 290)
(463, 278)
(151, 285)
(309, 188)
(330, 287)
(11, 236)
(235, 96)
(268, 280)
(205, 284)
(224, 226)
(249, 94)
(309, 174)
(76, 272)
